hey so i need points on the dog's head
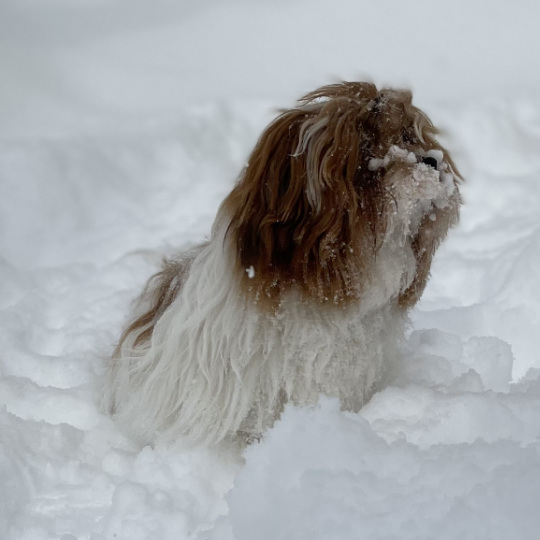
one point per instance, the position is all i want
(329, 182)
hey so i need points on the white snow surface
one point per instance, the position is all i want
(122, 127)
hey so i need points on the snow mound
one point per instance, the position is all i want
(448, 450)
(121, 132)
(323, 474)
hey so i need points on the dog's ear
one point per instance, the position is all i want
(269, 198)
(295, 214)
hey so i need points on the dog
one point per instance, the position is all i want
(314, 260)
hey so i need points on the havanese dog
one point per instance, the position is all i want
(303, 289)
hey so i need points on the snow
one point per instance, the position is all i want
(122, 127)
(325, 474)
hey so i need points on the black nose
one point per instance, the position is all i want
(431, 161)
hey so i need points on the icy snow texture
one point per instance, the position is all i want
(107, 162)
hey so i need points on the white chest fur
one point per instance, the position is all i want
(218, 365)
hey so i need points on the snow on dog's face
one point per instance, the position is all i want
(328, 183)
(420, 183)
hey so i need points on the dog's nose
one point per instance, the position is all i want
(429, 160)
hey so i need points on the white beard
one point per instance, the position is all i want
(218, 366)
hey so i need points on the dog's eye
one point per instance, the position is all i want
(431, 161)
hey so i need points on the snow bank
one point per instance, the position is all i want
(106, 164)
(448, 448)
(322, 474)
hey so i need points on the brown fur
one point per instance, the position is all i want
(310, 213)
(160, 292)
(307, 210)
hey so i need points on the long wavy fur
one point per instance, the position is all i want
(315, 257)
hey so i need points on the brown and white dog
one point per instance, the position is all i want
(315, 258)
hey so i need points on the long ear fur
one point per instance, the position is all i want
(309, 211)
(306, 209)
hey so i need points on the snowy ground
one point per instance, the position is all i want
(121, 131)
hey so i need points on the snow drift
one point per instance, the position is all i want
(97, 188)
